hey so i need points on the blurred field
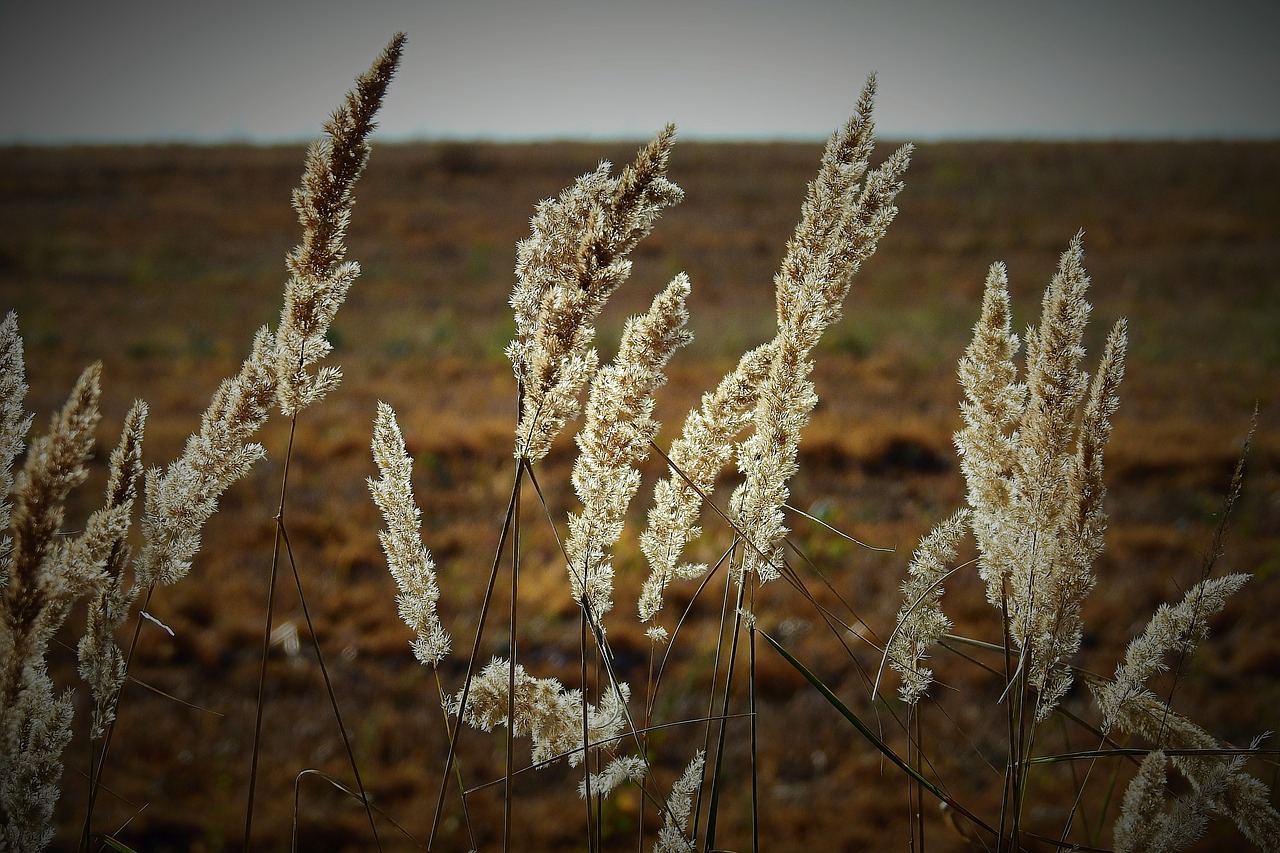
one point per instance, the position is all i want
(161, 262)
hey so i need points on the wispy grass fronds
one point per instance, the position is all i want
(1145, 825)
(408, 559)
(545, 711)
(618, 428)
(320, 275)
(1221, 786)
(182, 497)
(672, 836)
(573, 260)
(1032, 458)
(703, 450)
(921, 623)
(102, 662)
(992, 409)
(180, 500)
(1173, 629)
(845, 213)
(46, 570)
(619, 771)
(14, 420)
(1129, 705)
(43, 575)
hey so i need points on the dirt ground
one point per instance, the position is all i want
(162, 261)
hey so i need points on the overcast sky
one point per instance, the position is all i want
(525, 69)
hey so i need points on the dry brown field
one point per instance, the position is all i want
(162, 261)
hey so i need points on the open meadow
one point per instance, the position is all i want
(161, 262)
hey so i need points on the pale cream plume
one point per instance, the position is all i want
(617, 430)
(573, 260)
(320, 277)
(696, 459)
(102, 663)
(1144, 826)
(1127, 704)
(618, 772)
(987, 445)
(1032, 458)
(407, 558)
(1175, 629)
(181, 498)
(14, 420)
(675, 820)
(545, 711)
(921, 622)
(843, 219)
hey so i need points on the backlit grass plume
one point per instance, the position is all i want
(846, 212)
(1032, 457)
(1031, 449)
(574, 259)
(1219, 784)
(180, 500)
(321, 276)
(547, 712)
(409, 560)
(695, 459)
(615, 438)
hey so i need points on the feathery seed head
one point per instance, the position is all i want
(617, 431)
(320, 278)
(695, 460)
(407, 558)
(573, 260)
(14, 421)
(104, 542)
(1031, 455)
(841, 224)
(544, 711)
(921, 622)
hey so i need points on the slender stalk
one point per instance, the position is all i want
(475, 653)
(586, 743)
(328, 686)
(511, 677)
(713, 806)
(755, 741)
(266, 636)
